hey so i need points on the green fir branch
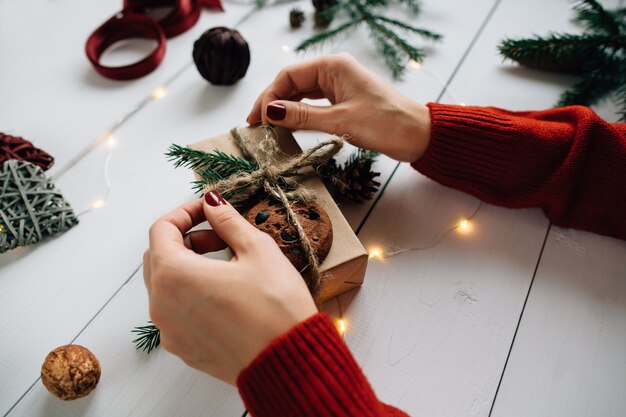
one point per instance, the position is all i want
(596, 18)
(598, 55)
(557, 52)
(395, 50)
(318, 40)
(149, 337)
(427, 34)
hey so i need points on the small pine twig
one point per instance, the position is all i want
(149, 337)
(210, 166)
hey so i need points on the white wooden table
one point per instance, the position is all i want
(514, 318)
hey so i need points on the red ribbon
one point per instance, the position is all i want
(134, 22)
(15, 147)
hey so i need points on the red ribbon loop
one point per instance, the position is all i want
(133, 22)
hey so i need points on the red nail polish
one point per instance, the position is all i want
(213, 199)
(276, 111)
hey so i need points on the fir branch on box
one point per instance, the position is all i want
(387, 33)
(210, 166)
(598, 55)
(149, 337)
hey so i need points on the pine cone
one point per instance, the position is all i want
(355, 181)
(296, 18)
(221, 55)
(361, 180)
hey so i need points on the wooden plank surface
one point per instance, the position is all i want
(569, 356)
(144, 186)
(441, 348)
(432, 328)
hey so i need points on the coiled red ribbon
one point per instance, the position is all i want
(134, 22)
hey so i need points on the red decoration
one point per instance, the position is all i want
(212, 4)
(12, 147)
(134, 22)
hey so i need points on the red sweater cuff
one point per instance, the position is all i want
(308, 371)
(468, 148)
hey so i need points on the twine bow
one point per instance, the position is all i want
(279, 180)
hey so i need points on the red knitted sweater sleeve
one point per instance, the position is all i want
(309, 372)
(568, 161)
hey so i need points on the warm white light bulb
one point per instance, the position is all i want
(376, 253)
(97, 204)
(111, 142)
(285, 48)
(462, 104)
(342, 326)
(464, 226)
(414, 64)
(158, 93)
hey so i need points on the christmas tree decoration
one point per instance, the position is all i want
(31, 207)
(597, 56)
(389, 34)
(70, 372)
(355, 180)
(14, 147)
(296, 18)
(221, 55)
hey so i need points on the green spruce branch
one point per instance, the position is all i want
(597, 56)
(387, 33)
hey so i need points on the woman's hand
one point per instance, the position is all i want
(370, 111)
(219, 315)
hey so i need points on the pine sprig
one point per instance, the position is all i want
(386, 32)
(210, 166)
(598, 55)
(149, 337)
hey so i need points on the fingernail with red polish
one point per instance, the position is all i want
(276, 111)
(213, 199)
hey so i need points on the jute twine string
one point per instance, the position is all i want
(280, 181)
(31, 207)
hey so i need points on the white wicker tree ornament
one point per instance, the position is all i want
(31, 207)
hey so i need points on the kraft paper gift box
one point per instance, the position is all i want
(345, 264)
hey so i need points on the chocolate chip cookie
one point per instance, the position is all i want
(270, 217)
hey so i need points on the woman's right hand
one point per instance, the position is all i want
(370, 111)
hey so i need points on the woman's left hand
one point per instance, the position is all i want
(217, 315)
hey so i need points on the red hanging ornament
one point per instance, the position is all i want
(12, 147)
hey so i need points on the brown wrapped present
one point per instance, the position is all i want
(344, 266)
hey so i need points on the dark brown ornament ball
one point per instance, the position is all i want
(221, 55)
(270, 217)
(70, 372)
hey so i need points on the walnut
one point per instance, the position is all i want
(70, 372)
